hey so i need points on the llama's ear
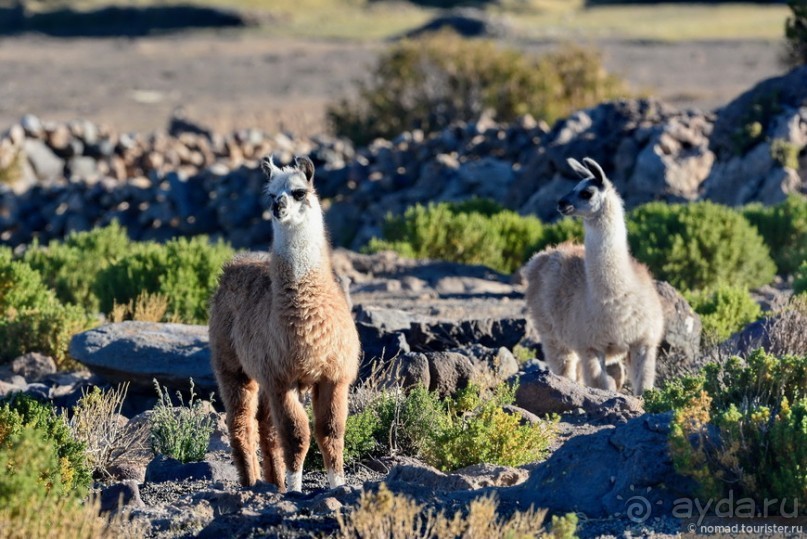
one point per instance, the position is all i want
(596, 170)
(306, 166)
(581, 171)
(268, 166)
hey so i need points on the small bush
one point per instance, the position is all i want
(474, 232)
(796, 34)
(394, 516)
(185, 271)
(724, 311)
(71, 267)
(35, 502)
(784, 229)
(145, 308)
(741, 426)
(800, 280)
(699, 245)
(477, 429)
(31, 318)
(430, 82)
(181, 433)
(108, 436)
(20, 411)
(567, 229)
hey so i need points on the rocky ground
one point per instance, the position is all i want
(446, 324)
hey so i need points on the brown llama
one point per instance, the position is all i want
(280, 325)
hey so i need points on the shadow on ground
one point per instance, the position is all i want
(117, 21)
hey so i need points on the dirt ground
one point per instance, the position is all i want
(233, 80)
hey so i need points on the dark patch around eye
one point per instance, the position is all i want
(299, 194)
(586, 194)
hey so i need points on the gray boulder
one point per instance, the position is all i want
(138, 352)
(33, 366)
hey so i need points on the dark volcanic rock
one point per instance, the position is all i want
(439, 336)
(600, 474)
(162, 469)
(542, 392)
(682, 333)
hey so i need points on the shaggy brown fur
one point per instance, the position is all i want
(280, 326)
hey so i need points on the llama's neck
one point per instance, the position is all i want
(608, 264)
(303, 249)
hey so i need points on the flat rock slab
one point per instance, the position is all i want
(139, 352)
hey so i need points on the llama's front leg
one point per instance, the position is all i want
(291, 423)
(274, 468)
(240, 397)
(330, 414)
(642, 367)
(595, 372)
(560, 359)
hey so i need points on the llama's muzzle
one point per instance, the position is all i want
(279, 205)
(565, 207)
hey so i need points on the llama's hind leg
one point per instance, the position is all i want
(642, 367)
(615, 367)
(240, 397)
(330, 415)
(291, 423)
(561, 360)
(274, 468)
(595, 373)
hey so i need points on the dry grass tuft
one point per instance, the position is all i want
(146, 307)
(786, 331)
(66, 518)
(384, 514)
(110, 438)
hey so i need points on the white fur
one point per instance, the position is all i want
(294, 481)
(596, 304)
(299, 235)
(335, 480)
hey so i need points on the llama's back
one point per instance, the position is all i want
(244, 287)
(556, 281)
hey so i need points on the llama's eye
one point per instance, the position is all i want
(299, 194)
(586, 195)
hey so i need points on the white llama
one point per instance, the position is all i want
(279, 327)
(596, 303)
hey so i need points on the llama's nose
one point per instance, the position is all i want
(565, 207)
(279, 205)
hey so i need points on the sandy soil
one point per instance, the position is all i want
(229, 80)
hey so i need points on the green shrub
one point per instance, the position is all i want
(428, 83)
(471, 232)
(699, 245)
(724, 310)
(31, 318)
(796, 34)
(185, 271)
(741, 426)
(566, 229)
(477, 429)
(800, 280)
(67, 471)
(784, 229)
(470, 428)
(181, 433)
(71, 267)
